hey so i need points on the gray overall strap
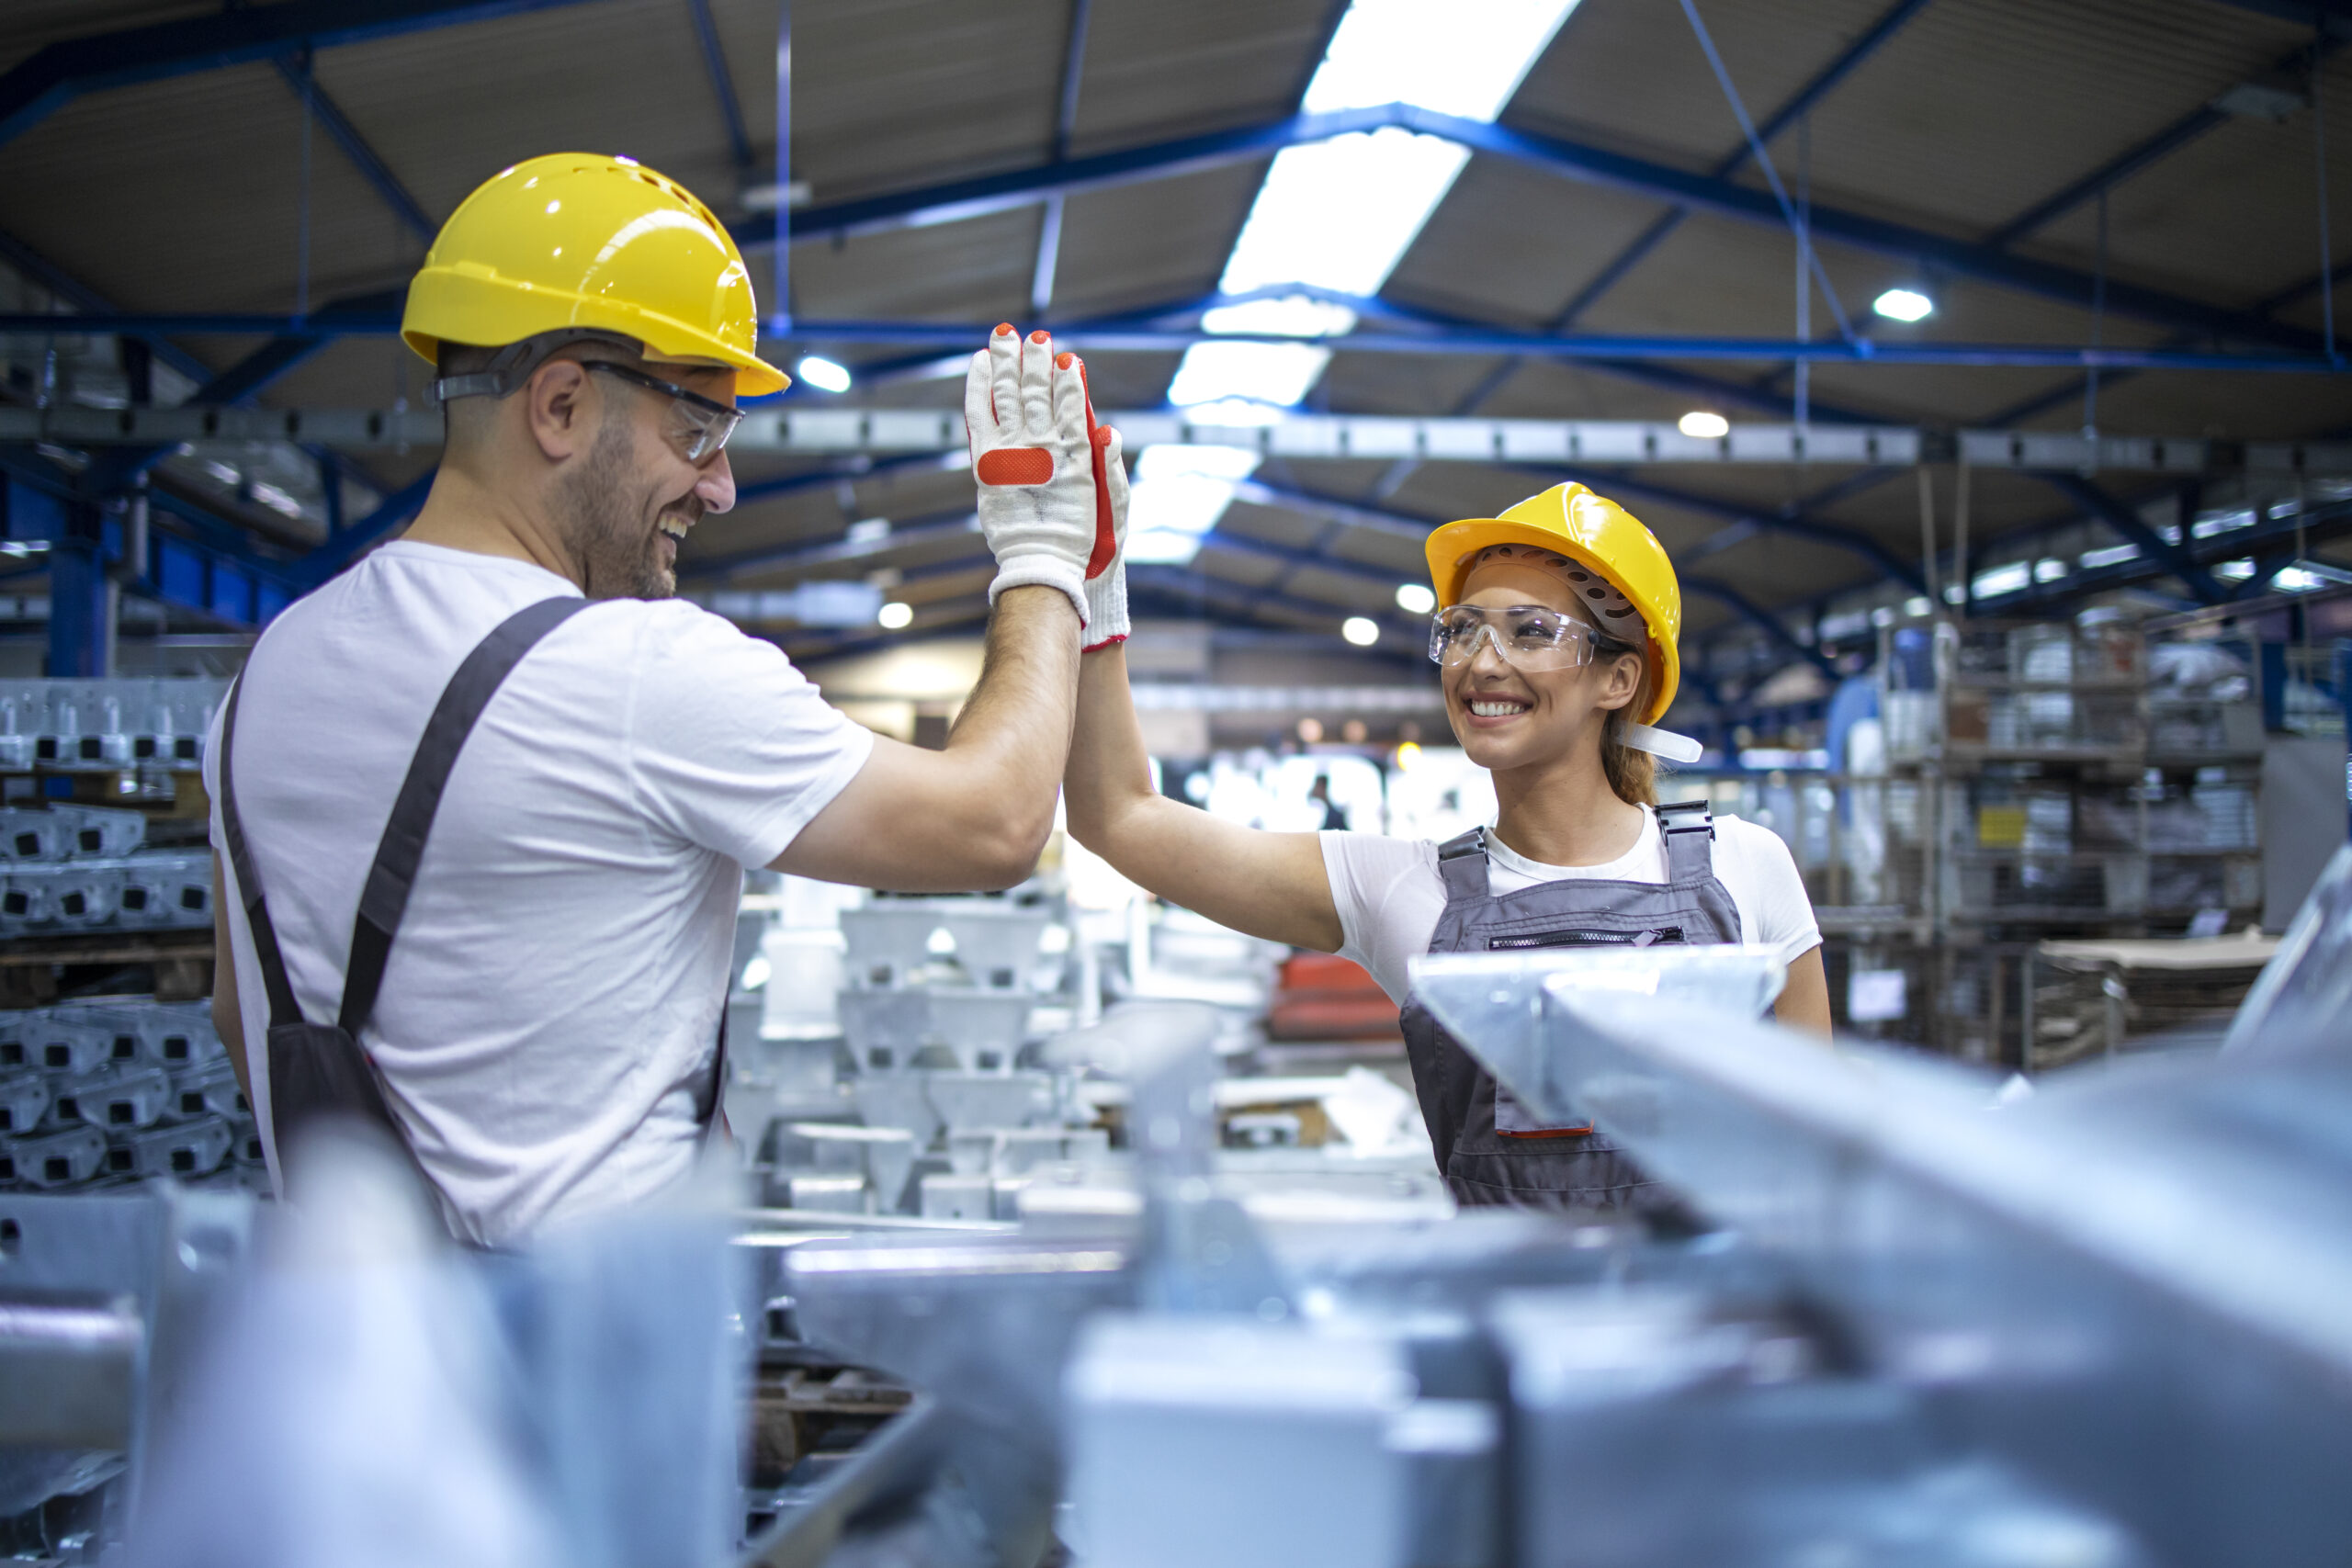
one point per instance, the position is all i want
(385, 898)
(319, 1070)
(1688, 828)
(1462, 863)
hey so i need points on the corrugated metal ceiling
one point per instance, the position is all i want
(183, 194)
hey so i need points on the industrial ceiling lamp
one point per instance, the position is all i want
(1703, 424)
(1903, 305)
(824, 374)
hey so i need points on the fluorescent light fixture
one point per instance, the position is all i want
(1236, 413)
(1415, 598)
(895, 615)
(1361, 630)
(2296, 579)
(1700, 424)
(1272, 373)
(1293, 315)
(2000, 579)
(1903, 305)
(2235, 571)
(1180, 492)
(1338, 214)
(2049, 569)
(822, 373)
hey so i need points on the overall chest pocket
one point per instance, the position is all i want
(1654, 936)
(1512, 1119)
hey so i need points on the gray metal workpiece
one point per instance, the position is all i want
(100, 1300)
(2129, 1288)
(2304, 997)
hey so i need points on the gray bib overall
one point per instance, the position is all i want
(1491, 1148)
(320, 1069)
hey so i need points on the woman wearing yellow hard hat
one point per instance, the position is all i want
(1555, 634)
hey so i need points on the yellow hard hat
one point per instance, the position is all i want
(1599, 536)
(580, 242)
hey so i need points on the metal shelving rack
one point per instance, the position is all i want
(2034, 787)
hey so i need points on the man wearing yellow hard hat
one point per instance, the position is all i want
(501, 740)
(1555, 634)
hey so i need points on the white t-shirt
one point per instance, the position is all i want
(1390, 894)
(549, 1016)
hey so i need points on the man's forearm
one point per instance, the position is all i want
(1016, 727)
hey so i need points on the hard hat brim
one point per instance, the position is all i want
(493, 312)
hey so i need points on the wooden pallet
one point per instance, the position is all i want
(32, 969)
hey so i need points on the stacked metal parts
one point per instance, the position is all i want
(110, 1073)
(68, 868)
(105, 725)
(930, 1101)
(952, 1080)
(107, 1094)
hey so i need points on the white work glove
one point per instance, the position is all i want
(1026, 417)
(1106, 568)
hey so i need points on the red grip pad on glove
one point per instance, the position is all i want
(1106, 542)
(1019, 466)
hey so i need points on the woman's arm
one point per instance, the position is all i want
(1269, 885)
(1805, 1000)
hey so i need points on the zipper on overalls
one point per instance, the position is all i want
(1654, 937)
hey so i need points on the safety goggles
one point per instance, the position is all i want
(701, 425)
(1527, 637)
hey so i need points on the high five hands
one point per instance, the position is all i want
(1053, 484)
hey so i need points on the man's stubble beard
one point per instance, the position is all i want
(618, 550)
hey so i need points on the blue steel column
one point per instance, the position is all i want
(780, 309)
(78, 606)
(1049, 228)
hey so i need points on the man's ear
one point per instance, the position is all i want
(559, 408)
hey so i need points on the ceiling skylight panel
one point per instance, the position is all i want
(1276, 373)
(1456, 57)
(1180, 493)
(1294, 315)
(1339, 215)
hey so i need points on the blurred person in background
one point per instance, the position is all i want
(1555, 637)
(1334, 819)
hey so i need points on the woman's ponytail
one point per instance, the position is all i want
(1632, 774)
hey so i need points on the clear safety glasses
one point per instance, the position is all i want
(1526, 635)
(703, 423)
